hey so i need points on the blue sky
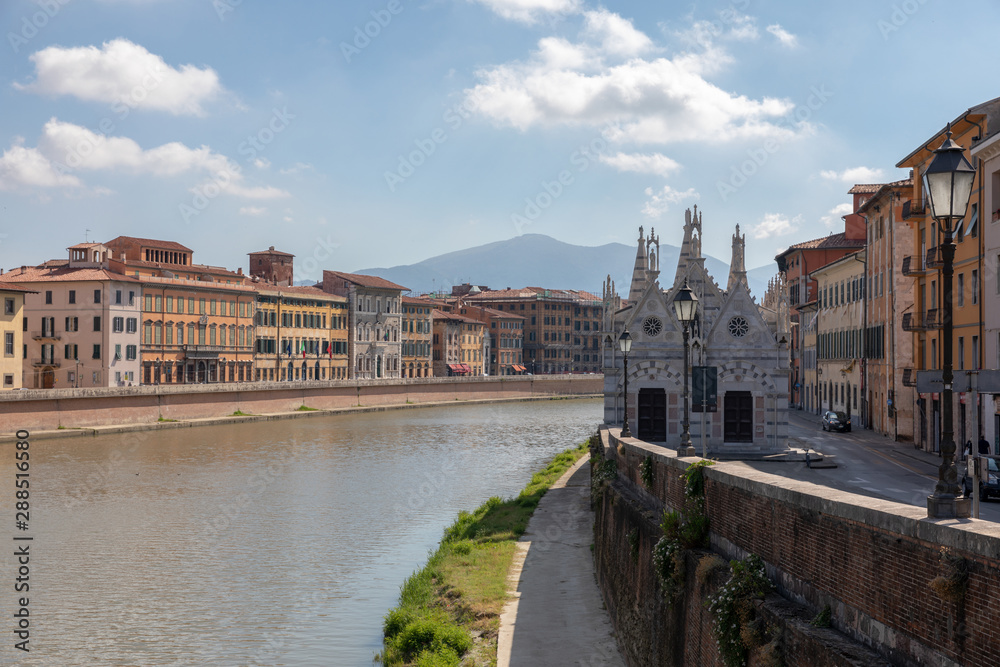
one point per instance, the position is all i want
(379, 133)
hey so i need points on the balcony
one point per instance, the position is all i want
(45, 335)
(909, 378)
(912, 266)
(934, 259)
(52, 363)
(914, 208)
(917, 322)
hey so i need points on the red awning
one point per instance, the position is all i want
(458, 369)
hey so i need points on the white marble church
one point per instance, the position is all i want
(746, 342)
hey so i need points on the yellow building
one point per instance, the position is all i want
(301, 334)
(458, 345)
(417, 337)
(840, 335)
(11, 331)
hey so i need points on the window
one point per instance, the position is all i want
(8, 343)
(130, 352)
(960, 292)
(72, 324)
(149, 303)
(48, 297)
(974, 221)
(147, 333)
(97, 351)
(131, 325)
(8, 306)
(72, 296)
(961, 352)
(201, 306)
(97, 296)
(159, 304)
(117, 324)
(118, 352)
(97, 323)
(131, 298)
(975, 352)
(974, 285)
(8, 380)
(118, 297)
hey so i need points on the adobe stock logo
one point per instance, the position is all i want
(372, 29)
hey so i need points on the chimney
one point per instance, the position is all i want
(23, 269)
(239, 271)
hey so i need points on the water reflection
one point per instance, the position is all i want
(275, 543)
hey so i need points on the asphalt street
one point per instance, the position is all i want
(867, 463)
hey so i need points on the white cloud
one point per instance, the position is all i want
(660, 100)
(26, 167)
(122, 74)
(253, 210)
(855, 175)
(530, 11)
(296, 168)
(65, 147)
(660, 201)
(786, 38)
(834, 217)
(776, 224)
(654, 163)
(617, 35)
(261, 163)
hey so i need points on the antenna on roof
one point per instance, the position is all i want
(86, 236)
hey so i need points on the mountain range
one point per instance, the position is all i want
(542, 261)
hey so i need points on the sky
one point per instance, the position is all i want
(380, 133)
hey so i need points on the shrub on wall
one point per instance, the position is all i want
(737, 625)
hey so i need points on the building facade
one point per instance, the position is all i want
(71, 336)
(418, 338)
(888, 379)
(987, 153)
(12, 334)
(926, 319)
(729, 335)
(301, 334)
(197, 319)
(840, 336)
(374, 324)
(458, 345)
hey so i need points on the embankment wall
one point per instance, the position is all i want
(871, 561)
(38, 410)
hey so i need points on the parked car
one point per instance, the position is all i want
(836, 421)
(987, 489)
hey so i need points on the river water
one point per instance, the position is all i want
(274, 543)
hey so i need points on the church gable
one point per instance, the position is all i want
(651, 320)
(740, 323)
(710, 297)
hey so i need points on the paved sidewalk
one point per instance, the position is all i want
(557, 617)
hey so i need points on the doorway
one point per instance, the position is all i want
(48, 378)
(738, 416)
(652, 415)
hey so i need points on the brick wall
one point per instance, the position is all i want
(872, 561)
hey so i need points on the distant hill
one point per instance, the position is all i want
(542, 261)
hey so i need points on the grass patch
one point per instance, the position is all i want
(305, 408)
(450, 610)
(240, 413)
(164, 419)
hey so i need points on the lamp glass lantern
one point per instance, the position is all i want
(625, 342)
(948, 181)
(685, 304)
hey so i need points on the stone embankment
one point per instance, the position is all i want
(166, 406)
(855, 580)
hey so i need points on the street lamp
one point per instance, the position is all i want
(948, 181)
(625, 344)
(686, 306)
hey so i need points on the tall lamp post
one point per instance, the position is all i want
(948, 181)
(625, 344)
(686, 306)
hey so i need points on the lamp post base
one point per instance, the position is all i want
(948, 508)
(686, 451)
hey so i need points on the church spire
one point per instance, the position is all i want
(738, 267)
(640, 277)
(691, 246)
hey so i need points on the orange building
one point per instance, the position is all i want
(418, 337)
(925, 320)
(458, 345)
(197, 320)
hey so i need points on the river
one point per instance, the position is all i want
(272, 543)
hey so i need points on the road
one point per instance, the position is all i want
(867, 463)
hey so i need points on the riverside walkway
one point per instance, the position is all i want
(557, 616)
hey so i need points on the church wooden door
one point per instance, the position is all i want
(652, 415)
(738, 416)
